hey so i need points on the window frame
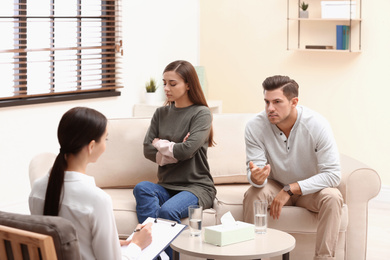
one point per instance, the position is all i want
(110, 61)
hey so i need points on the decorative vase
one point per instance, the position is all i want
(303, 14)
(151, 98)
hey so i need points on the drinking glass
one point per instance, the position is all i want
(260, 216)
(195, 213)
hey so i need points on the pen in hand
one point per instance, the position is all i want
(138, 229)
(142, 235)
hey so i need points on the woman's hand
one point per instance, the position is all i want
(143, 238)
(186, 137)
(124, 242)
(155, 140)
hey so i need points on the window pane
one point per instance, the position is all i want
(67, 7)
(38, 33)
(65, 33)
(38, 72)
(91, 64)
(65, 74)
(6, 68)
(6, 43)
(38, 7)
(7, 8)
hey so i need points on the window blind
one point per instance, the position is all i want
(57, 47)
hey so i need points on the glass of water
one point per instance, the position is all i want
(195, 213)
(260, 215)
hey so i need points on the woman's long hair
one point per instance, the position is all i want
(195, 93)
(77, 128)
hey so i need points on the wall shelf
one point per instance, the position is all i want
(319, 31)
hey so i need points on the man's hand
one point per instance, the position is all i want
(259, 175)
(143, 238)
(277, 204)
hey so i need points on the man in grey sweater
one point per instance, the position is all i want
(292, 159)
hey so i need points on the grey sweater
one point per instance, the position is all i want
(191, 172)
(308, 156)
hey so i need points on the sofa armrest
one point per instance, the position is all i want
(359, 184)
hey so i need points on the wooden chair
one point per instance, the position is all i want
(16, 243)
(37, 237)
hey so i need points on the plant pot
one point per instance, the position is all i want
(303, 14)
(151, 98)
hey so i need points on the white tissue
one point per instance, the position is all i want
(229, 232)
(228, 220)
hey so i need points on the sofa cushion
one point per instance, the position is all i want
(123, 164)
(227, 159)
(124, 206)
(61, 230)
(304, 220)
(229, 198)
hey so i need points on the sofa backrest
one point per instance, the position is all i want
(124, 165)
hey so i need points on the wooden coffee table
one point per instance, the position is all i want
(273, 243)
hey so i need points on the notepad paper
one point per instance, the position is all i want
(163, 233)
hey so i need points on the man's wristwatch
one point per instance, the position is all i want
(287, 189)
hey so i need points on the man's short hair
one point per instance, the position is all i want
(289, 86)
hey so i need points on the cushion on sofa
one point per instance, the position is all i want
(227, 158)
(304, 220)
(124, 206)
(113, 170)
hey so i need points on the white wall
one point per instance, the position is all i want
(243, 42)
(154, 32)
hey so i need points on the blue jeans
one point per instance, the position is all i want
(155, 201)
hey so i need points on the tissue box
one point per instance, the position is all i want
(338, 9)
(222, 235)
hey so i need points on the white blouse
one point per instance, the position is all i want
(90, 210)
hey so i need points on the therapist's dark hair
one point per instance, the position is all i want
(77, 128)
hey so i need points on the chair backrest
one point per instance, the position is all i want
(60, 230)
(17, 243)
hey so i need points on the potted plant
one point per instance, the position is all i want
(150, 86)
(150, 95)
(303, 13)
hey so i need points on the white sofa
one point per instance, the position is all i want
(123, 165)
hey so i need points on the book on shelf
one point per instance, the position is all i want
(342, 37)
(346, 33)
(339, 37)
(319, 47)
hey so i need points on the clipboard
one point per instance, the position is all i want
(163, 233)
